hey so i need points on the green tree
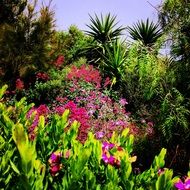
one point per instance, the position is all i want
(25, 41)
(174, 16)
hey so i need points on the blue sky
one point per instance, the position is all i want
(68, 12)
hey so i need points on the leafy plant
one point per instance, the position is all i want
(115, 57)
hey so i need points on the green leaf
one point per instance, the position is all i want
(14, 167)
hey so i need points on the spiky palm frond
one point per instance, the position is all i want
(146, 32)
(104, 29)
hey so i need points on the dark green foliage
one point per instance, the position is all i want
(146, 32)
(10, 10)
(70, 44)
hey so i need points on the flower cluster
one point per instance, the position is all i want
(55, 162)
(59, 61)
(85, 73)
(35, 114)
(42, 76)
(19, 84)
(76, 113)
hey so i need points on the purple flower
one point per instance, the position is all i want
(183, 186)
(55, 157)
(99, 135)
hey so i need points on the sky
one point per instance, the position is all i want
(76, 12)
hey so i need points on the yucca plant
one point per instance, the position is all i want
(146, 32)
(104, 29)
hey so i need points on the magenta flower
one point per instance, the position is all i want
(183, 186)
(55, 157)
(54, 169)
(107, 157)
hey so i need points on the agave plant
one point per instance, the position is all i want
(104, 29)
(146, 32)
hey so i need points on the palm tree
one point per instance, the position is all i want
(104, 29)
(146, 32)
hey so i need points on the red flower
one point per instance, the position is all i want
(42, 76)
(19, 84)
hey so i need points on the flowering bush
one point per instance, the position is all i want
(55, 159)
(78, 114)
(85, 73)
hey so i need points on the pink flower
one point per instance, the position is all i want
(99, 135)
(150, 123)
(59, 62)
(161, 171)
(107, 82)
(123, 101)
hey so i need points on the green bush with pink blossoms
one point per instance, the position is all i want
(56, 159)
